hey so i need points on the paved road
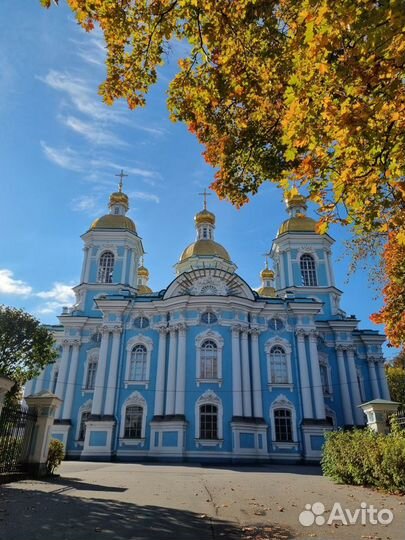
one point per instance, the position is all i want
(99, 501)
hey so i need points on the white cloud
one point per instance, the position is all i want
(9, 285)
(144, 196)
(65, 157)
(94, 133)
(88, 204)
(60, 293)
(83, 97)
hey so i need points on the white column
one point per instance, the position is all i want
(181, 371)
(383, 380)
(304, 376)
(236, 373)
(290, 281)
(282, 270)
(160, 374)
(87, 265)
(344, 389)
(171, 373)
(112, 374)
(316, 377)
(330, 270)
(247, 401)
(28, 387)
(373, 378)
(354, 385)
(256, 378)
(40, 381)
(71, 382)
(100, 374)
(131, 277)
(124, 267)
(85, 256)
(62, 374)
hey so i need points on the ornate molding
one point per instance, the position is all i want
(209, 396)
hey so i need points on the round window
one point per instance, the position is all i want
(276, 324)
(141, 322)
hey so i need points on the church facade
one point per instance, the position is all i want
(208, 369)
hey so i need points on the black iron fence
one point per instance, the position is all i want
(16, 432)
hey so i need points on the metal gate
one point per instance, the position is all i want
(16, 432)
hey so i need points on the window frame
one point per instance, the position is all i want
(132, 343)
(309, 275)
(203, 337)
(102, 271)
(281, 402)
(138, 349)
(91, 354)
(286, 346)
(134, 399)
(209, 397)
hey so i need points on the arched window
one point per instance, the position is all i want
(283, 425)
(209, 360)
(208, 422)
(106, 267)
(83, 419)
(133, 422)
(137, 371)
(278, 365)
(308, 271)
(91, 373)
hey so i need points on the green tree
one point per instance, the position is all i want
(304, 94)
(396, 383)
(26, 346)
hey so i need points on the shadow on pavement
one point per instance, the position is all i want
(76, 483)
(37, 515)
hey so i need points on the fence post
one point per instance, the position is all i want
(5, 385)
(44, 404)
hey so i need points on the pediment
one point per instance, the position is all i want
(209, 282)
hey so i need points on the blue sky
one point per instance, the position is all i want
(60, 148)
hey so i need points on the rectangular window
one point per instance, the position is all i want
(282, 425)
(208, 422)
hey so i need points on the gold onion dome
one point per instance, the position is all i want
(112, 221)
(143, 272)
(268, 292)
(267, 274)
(298, 223)
(118, 197)
(144, 289)
(205, 216)
(294, 201)
(205, 248)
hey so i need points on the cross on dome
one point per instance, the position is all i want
(205, 194)
(121, 175)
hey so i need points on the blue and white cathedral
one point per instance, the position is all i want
(208, 369)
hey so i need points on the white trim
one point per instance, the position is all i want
(286, 346)
(281, 402)
(209, 397)
(135, 399)
(219, 341)
(133, 342)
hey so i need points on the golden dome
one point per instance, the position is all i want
(202, 248)
(112, 221)
(119, 198)
(144, 289)
(205, 217)
(298, 223)
(268, 292)
(267, 274)
(143, 272)
(295, 201)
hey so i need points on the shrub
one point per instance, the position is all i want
(55, 455)
(364, 457)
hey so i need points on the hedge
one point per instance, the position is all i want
(366, 458)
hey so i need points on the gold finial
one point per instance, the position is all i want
(205, 194)
(121, 175)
